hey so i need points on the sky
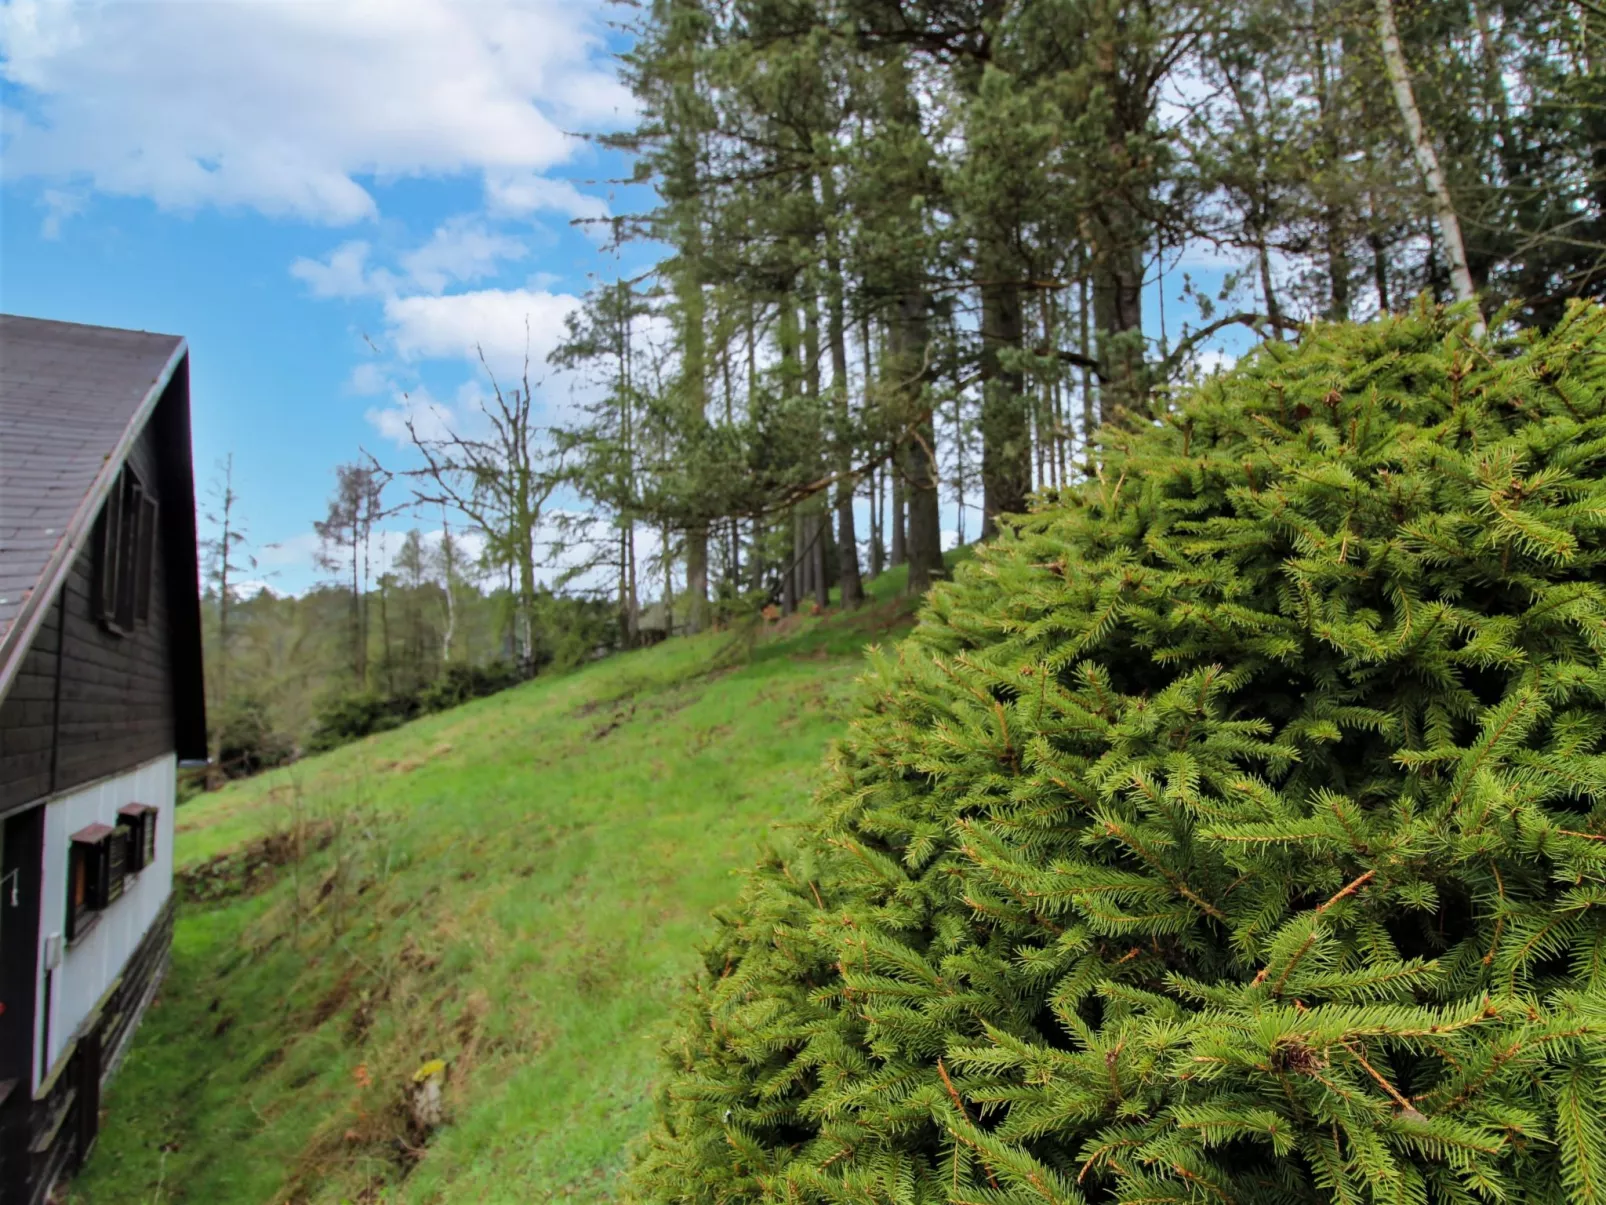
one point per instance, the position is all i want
(336, 203)
(333, 202)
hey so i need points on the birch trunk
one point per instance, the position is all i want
(1427, 158)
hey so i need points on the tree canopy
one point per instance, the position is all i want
(915, 254)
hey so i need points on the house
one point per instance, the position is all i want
(101, 702)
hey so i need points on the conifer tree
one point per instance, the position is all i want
(1231, 830)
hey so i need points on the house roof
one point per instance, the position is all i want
(72, 401)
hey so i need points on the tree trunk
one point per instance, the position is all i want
(1427, 158)
(1085, 346)
(878, 476)
(669, 582)
(1338, 264)
(878, 560)
(756, 564)
(527, 613)
(817, 558)
(847, 543)
(794, 566)
(1006, 436)
(923, 539)
(959, 459)
(1117, 271)
(624, 576)
(695, 386)
(697, 579)
(899, 551)
(633, 600)
(359, 653)
(384, 628)
(448, 568)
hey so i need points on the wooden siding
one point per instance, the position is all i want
(28, 720)
(56, 1128)
(114, 705)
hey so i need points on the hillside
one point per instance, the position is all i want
(515, 887)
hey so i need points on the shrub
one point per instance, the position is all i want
(460, 683)
(246, 739)
(356, 714)
(1234, 830)
(570, 631)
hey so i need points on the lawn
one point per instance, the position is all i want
(516, 887)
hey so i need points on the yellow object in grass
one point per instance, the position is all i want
(429, 1070)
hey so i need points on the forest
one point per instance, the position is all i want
(905, 260)
(919, 252)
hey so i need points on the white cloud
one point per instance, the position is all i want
(285, 107)
(368, 379)
(345, 273)
(1213, 360)
(462, 249)
(295, 552)
(428, 417)
(516, 194)
(296, 557)
(505, 323)
(60, 204)
(469, 544)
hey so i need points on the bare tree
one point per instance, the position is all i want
(344, 536)
(448, 566)
(222, 568)
(501, 482)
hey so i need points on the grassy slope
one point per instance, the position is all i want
(516, 886)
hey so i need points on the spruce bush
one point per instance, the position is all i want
(1233, 830)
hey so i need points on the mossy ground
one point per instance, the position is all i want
(516, 887)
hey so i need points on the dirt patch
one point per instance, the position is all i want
(413, 761)
(707, 736)
(618, 699)
(254, 866)
(333, 1000)
(618, 720)
(785, 626)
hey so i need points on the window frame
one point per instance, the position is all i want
(140, 820)
(125, 554)
(145, 558)
(97, 874)
(81, 917)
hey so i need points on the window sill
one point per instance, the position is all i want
(85, 927)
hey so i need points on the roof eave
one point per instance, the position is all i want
(16, 641)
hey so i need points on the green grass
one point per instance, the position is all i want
(517, 887)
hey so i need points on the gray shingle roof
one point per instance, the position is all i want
(72, 399)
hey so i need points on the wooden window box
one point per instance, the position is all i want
(97, 864)
(140, 821)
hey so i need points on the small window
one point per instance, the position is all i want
(97, 862)
(145, 559)
(80, 916)
(140, 821)
(125, 553)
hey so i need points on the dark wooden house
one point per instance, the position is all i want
(101, 702)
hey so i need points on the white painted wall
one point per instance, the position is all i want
(91, 963)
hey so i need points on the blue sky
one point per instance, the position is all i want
(294, 181)
(292, 186)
